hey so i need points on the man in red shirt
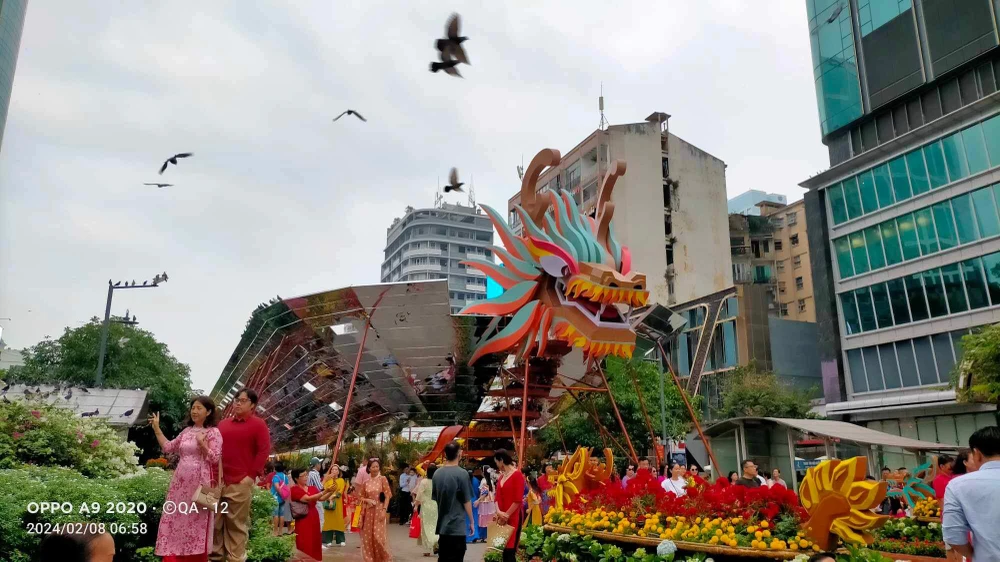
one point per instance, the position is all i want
(246, 443)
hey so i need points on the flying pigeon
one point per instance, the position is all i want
(455, 185)
(351, 112)
(160, 185)
(90, 414)
(448, 66)
(173, 160)
(127, 413)
(452, 43)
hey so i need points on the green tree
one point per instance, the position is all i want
(576, 425)
(980, 367)
(134, 360)
(749, 392)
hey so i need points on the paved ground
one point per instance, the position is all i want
(404, 549)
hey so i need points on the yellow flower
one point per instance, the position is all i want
(793, 546)
(767, 533)
(730, 529)
(759, 535)
(718, 531)
(763, 524)
(803, 543)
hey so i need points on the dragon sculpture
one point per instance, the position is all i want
(566, 278)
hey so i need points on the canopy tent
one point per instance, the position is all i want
(771, 442)
(839, 430)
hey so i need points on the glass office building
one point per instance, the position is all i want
(11, 24)
(906, 249)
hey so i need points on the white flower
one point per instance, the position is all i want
(709, 560)
(640, 552)
(666, 548)
(801, 558)
(563, 538)
(932, 525)
(500, 543)
(571, 557)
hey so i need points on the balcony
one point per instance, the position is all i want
(421, 252)
(475, 287)
(419, 268)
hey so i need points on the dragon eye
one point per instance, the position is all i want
(554, 266)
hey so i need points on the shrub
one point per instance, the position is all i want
(157, 463)
(35, 433)
(19, 487)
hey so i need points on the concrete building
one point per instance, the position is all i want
(904, 230)
(670, 206)
(793, 268)
(11, 24)
(10, 357)
(429, 244)
(747, 203)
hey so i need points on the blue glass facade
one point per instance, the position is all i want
(11, 24)
(835, 64)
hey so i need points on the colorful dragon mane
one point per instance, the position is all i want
(566, 278)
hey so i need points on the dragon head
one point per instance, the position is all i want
(565, 277)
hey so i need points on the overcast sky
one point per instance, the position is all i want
(279, 200)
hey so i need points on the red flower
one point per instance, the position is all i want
(18, 435)
(95, 443)
(37, 414)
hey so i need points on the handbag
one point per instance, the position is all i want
(300, 510)
(498, 534)
(208, 497)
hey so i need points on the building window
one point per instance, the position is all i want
(781, 266)
(796, 262)
(792, 218)
(783, 309)
(670, 255)
(781, 287)
(794, 239)
(777, 245)
(799, 284)
(802, 305)
(966, 152)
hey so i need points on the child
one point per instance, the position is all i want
(487, 506)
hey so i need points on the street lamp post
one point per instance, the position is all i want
(157, 279)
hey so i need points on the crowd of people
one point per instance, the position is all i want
(446, 506)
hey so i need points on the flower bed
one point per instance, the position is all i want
(927, 508)
(744, 520)
(910, 536)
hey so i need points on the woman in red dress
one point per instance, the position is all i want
(308, 537)
(510, 494)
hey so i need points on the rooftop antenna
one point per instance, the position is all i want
(472, 192)
(600, 105)
(520, 169)
(438, 199)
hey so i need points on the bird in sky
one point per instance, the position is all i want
(90, 414)
(173, 160)
(160, 185)
(351, 112)
(127, 413)
(452, 42)
(448, 66)
(454, 184)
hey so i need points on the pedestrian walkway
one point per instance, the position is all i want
(404, 549)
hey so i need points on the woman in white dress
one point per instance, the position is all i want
(676, 483)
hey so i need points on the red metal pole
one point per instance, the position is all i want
(524, 415)
(354, 377)
(614, 406)
(694, 419)
(645, 413)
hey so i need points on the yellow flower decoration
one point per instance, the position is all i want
(564, 489)
(840, 501)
